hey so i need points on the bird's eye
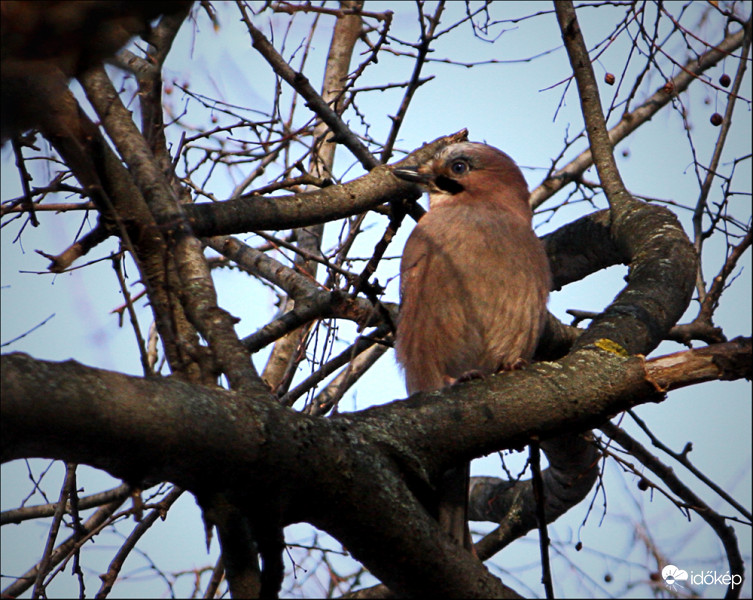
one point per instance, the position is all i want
(459, 167)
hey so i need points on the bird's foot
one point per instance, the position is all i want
(520, 363)
(467, 376)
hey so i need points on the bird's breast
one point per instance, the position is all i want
(474, 288)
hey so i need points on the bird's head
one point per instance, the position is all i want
(470, 173)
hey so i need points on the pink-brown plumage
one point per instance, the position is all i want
(474, 281)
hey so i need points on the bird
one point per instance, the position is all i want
(474, 285)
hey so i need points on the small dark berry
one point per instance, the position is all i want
(716, 119)
(609, 79)
(724, 80)
(642, 484)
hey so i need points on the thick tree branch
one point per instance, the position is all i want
(201, 438)
(249, 213)
(726, 361)
(199, 297)
(637, 320)
(662, 261)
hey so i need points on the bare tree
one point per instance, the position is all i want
(98, 127)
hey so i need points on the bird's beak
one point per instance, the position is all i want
(413, 174)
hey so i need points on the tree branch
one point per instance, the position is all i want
(629, 122)
(250, 213)
(201, 438)
(314, 101)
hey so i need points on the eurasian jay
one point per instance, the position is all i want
(474, 282)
